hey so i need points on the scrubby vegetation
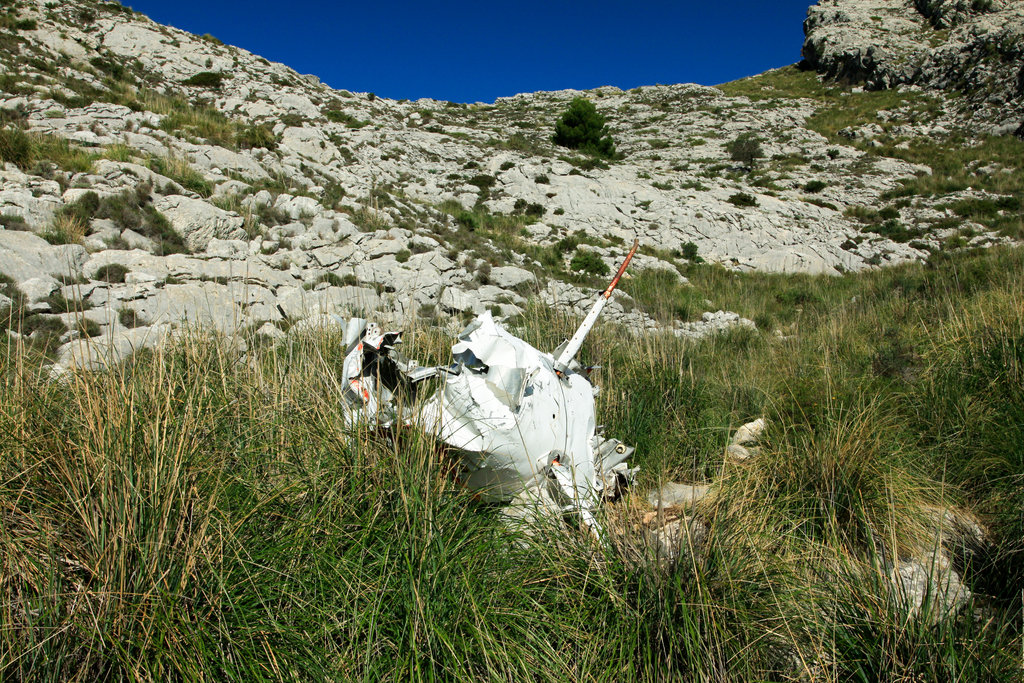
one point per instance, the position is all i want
(745, 149)
(186, 515)
(133, 210)
(583, 128)
(205, 79)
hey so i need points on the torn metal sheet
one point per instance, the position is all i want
(523, 419)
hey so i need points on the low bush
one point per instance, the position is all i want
(589, 262)
(16, 148)
(338, 116)
(11, 221)
(205, 79)
(130, 318)
(483, 181)
(111, 273)
(742, 199)
(689, 252)
(60, 304)
(181, 171)
(133, 210)
(256, 136)
(66, 229)
(88, 328)
(44, 331)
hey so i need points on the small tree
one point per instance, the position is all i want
(745, 149)
(582, 127)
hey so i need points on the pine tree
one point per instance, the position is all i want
(582, 127)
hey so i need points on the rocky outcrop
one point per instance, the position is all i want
(975, 47)
(293, 200)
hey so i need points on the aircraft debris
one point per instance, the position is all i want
(524, 420)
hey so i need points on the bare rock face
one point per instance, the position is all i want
(970, 46)
(199, 222)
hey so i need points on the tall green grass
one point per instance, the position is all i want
(197, 514)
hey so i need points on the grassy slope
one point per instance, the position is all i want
(989, 164)
(192, 513)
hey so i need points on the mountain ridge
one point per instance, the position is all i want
(345, 201)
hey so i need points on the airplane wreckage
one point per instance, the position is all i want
(523, 420)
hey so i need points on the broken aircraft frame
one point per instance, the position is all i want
(523, 420)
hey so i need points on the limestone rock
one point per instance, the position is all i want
(750, 433)
(929, 588)
(677, 540)
(108, 349)
(943, 44)
(198, 222)
(511, 277)
(136, 241)
(673, 495)
(24, 256)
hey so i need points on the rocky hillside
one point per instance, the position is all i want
(973, 47)
(152, 177)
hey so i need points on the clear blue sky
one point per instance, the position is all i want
(477, 51)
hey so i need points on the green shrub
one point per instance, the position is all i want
(403, 255)
(88, 327)
(11, 315)
(333, 194)
(742, 199)
(130, 318)
(483, 181)
(111, 273)
(338, 116)
(45, 331)
(582, 127)
(16, 148)
(60, 304)
(115, 69)
(542, 179)
(745, 149)
(133, 210)
(589, 262)
(817, 201)
(256, 136)
(333, 280)
(894, 230)
(182, 172)
(10, 221)
(689, 252)
(84, 208)
(815, 186)
(205, 79)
